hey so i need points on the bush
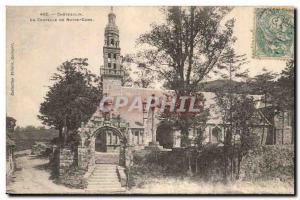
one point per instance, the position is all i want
(269, 162)
(41, 149)
(73, 178)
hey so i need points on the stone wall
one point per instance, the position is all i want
(66, 159)
(83, 158)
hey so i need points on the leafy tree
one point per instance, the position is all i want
(263, 84)
(135, 74)
(286, 87)
(10, 125)
(227, 101)
(283, 93)
(127, 77)
(72, 99)
(184, 49)
(144, 78)
(238, 116)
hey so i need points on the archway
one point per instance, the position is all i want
(109, 147)
(100, 143)
(107, 141)
(164, 135)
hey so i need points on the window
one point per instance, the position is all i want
(115, 56)
(112, 42)
(138, 136)
(109, 55)
(109, 65)
(115, 66)
(216, 135)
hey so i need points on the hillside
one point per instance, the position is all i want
(224, 85)
(25, 139)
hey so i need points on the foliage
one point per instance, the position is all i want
(269, 162)
(184, 120)
(72, 99)
(284, 95)
(127, 77)
(238, 116)
(278, 94)
(191, 43)
(10, 124)
(41, 149)
(74, 178)
(264, 82)
(135, 75)
(182, 51)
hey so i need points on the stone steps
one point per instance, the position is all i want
(104, 180)
(107, 158)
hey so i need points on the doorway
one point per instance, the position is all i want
(100, 143)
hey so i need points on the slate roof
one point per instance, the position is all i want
(135, 117)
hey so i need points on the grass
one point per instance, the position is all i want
(187, 185)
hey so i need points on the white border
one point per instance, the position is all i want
(4, 3)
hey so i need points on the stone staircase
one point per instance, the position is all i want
(104, 180)
(107, 158)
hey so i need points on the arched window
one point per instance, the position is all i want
(216, 135)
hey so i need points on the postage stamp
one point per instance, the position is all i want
(274, 33)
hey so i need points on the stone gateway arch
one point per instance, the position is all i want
(115, 143)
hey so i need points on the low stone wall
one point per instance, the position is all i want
(66, 159)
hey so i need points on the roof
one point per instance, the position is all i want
(135, 116)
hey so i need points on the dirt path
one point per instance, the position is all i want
(33, 178)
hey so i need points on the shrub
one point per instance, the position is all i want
(268, 163)
(73, 178)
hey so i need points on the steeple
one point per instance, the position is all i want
(111, 27)
(112, 72)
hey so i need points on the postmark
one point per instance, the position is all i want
(274, 33)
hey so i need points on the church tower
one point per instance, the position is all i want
(112, 72)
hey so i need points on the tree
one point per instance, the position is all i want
(127, 79)
(72, 99)
(135, 74)
(283, 93)
(263, 84)
(144, 78)
(238, 116)
(186, 48)
(226, 100)
(10, 125)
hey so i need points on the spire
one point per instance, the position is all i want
(111, 17)
(111, 26)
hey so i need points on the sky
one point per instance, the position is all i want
(36, 49)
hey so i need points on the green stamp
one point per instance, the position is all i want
(274, 33)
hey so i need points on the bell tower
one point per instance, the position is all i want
(111, 72)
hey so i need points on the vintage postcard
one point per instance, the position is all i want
(130, 100)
